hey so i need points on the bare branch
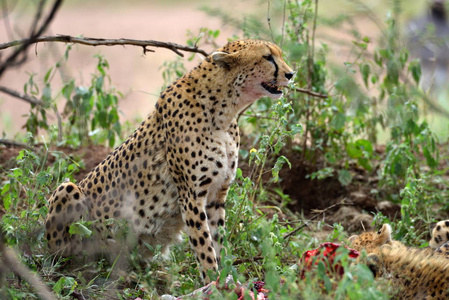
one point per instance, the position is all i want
(24, 97)
(12, 60)
(106, 42)
(5, 16)
(318, 213)
(308, 92)
(37, 17)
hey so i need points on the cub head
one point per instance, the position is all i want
(255, 68)
(372, 241)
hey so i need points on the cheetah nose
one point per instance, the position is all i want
(289, 75)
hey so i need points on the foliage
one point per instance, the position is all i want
(91, 113)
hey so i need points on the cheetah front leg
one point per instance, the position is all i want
(216, 214)
(195, 217)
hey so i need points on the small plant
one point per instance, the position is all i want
(24, 194)
(91, 112)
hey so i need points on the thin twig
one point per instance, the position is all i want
(260, 117)
(283, 24)
(309, 92)
(37, 17)
(269, 21)
(5, 16)
(107, 42)
(23, 97)
(318, 213)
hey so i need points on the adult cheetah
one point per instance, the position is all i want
(174, 171)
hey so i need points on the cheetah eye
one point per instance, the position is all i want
(270, 58)
(379, 231)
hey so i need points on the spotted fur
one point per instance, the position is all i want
(174, 171)
(440, 238)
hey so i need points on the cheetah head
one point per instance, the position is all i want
(255, 69)
(372, 241)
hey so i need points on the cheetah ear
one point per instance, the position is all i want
(223, 59)
(352, 238)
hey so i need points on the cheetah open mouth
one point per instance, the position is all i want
(272, 88)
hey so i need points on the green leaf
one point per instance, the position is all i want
(47, 75)
(431, 162)
(99, 83)
(415, 69)
(46, 93)
(21, 155)
(353, 150)
(365, 71)
(338, 122)
(59, 285)
(102, 118)
(7, 196)
(345, 177)
(365, 145)
(296, 128)
(278, 166)
(16, 172)
(80, 229)
(365, 163)
(43, 178)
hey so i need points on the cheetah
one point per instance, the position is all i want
(173, 173)
(417, 273)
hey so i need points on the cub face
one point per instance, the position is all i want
(372, 241)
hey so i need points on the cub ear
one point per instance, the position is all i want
(223, 59)
(352, 238)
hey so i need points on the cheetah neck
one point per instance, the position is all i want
(219, 91)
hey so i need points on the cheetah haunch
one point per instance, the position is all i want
(174, 171)
(416, 273)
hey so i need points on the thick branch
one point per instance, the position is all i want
(10, 143)
(106, 42)
(23, 97)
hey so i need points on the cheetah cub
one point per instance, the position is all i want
(415, 273)
(173, 173)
